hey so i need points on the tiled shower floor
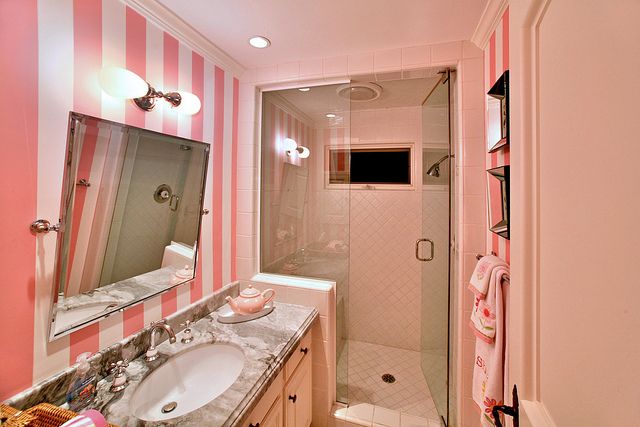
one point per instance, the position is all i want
(366, 363)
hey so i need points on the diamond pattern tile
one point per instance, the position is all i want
(365, 365)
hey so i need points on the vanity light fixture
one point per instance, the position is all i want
(122, 83)
(290, 145)
(259, 42)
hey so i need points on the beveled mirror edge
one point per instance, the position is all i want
(75, 117)
(501, 228)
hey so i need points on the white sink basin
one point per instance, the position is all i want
(187, 382)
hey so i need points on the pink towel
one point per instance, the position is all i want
(479, 283)
(488, 323)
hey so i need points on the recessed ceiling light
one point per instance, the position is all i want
(259, 42)
(330, 115)
(304, 89)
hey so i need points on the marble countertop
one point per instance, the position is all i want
(267, 343)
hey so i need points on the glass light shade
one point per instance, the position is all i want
(190, 103)
(122, 83)
(303, 152)
(289, 144)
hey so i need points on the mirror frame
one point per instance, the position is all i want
(500, 92)
(501, 228)
(68, 183)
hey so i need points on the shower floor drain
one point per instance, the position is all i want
(388, 378)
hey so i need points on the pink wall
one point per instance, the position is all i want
(52, 52)
(496, 62)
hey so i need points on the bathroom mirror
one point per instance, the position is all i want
(129, 219)
(498, 200)
(498, 114)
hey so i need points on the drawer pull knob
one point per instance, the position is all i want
(254, 425)
(304, 350)
(293, 398)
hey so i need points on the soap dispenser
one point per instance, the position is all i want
(82, 391)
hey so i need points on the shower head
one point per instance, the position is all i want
(434, 169)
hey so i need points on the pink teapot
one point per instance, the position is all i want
(250, 300)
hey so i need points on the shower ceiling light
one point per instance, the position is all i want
(330, 115)
(124, 84)
(259, 42)
(359, 92)
(304, 89)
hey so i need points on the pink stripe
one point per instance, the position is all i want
(136, 59)
(170, 126)
(234, 179)
(18, 183)
(132, 320)
(87, 98)
(197, 88)
(505, 40)
(87, 42)
(218, 141)
(170, 69)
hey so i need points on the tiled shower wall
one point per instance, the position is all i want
(384, 281)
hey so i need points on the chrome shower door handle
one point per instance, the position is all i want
(418, 257)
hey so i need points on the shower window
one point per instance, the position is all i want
(371, 165)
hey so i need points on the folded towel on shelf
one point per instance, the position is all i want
(479, 282)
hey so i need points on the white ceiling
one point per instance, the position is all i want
(323, 99)
(303, 29)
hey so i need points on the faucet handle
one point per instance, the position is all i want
(119, 371)
(188, 336)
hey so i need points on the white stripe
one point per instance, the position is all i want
(226, 178)
(113, 53)
(207, 220)
(88, 210)
(155, 73)
(184, 83)
(111, 330)
(184, 130)
(55, 100)
(498, 51)
(152, 310)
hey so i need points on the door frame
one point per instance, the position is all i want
(523, 326)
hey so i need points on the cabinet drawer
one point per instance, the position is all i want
(272, 396)
(302, 352)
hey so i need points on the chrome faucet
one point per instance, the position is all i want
(152, 351)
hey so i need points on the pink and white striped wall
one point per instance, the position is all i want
(496, 62)
(51, 55)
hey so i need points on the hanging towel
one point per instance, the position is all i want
(479, 283)
(483, 314)
(489, 367)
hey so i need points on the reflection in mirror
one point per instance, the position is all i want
(498, 195)
(130, 216)
(293, 196)
(498, 113)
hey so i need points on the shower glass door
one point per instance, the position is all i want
(434, 252)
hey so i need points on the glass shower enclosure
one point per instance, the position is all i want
(386, 246)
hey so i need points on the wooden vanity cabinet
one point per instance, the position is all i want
(287, 402)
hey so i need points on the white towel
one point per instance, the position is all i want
(489, 367)
(479, 282)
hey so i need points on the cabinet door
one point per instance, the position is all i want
(275, 417)
(298, 395)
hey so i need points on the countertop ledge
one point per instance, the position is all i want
(268, 343)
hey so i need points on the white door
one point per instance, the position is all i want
(575, 162)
